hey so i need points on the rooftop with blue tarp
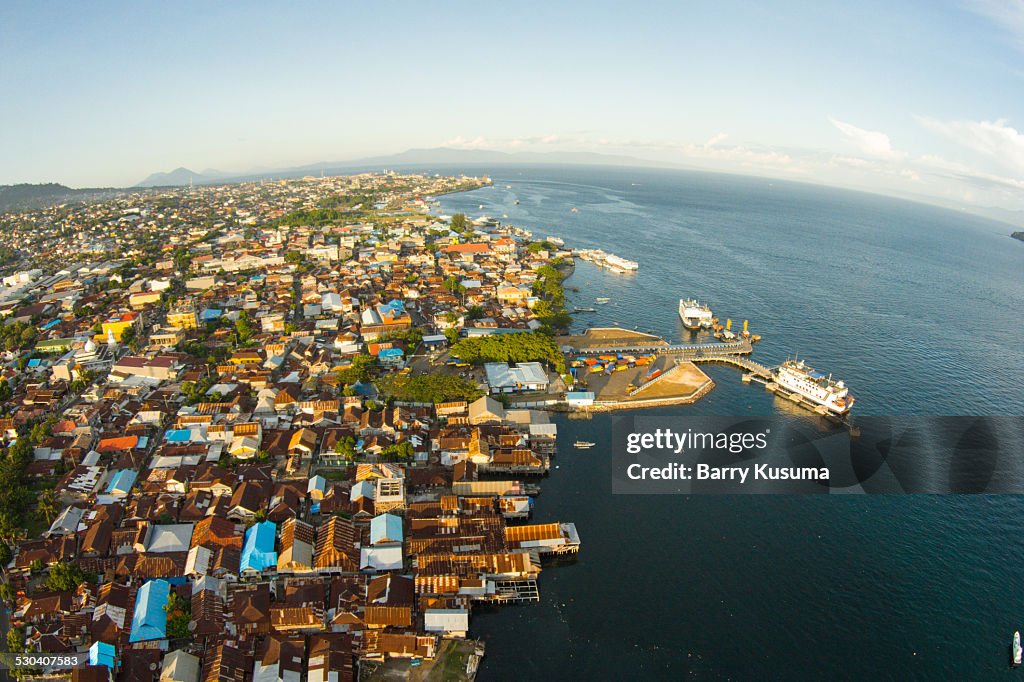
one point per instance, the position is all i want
(385, 528)
(210, 314)
(258, 551)
(150, 619)
(178, 435)
(122, 481)
(393, 307)
(101, 653)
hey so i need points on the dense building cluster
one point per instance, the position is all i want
(238, 444)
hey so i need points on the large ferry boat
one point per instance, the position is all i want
(799, 377)
(695, 315)
(622, 263)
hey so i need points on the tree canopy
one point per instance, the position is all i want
(520, 347)
(430, 388)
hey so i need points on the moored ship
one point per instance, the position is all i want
(695, 315)
(800, 378)
(622, 263)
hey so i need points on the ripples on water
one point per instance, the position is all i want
(917, 308)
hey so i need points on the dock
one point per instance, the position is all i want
(515, 592)
(753, 369)
(605, 340)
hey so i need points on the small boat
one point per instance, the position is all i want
(584, 444)
(602, 299)
(585, 310)
(1016, 648)
(517, 202)
(575, 210)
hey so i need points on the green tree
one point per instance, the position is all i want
(9, 529)
(179, 615)
(346, 447)
(459, 222)
(243, 327)
(429, 388)
(361, 370)
(65, 576)
(455, 287)
(16, 640)
(47, 506)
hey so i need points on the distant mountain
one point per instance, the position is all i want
(26, 196)
(177, 178)
(438, 156)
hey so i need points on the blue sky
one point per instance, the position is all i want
(918, 98)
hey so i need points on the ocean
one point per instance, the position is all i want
(917, 308)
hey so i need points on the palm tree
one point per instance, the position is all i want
(47, 506)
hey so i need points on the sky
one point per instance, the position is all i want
(917, 98)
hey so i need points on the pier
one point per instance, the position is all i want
(754, 369)
(614, 340)
(691, 351)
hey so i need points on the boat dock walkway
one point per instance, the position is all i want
(755, 369)
(690, 351)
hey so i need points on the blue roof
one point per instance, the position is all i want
(579, 395)
(34, 362)
(150, 619)
(122, 480)
(362, 489)
(178, 435)
(393, 306)
(51, 324)
(258, 552)
(391, 353)
(385, 528)
(101, 653)
(210, 314)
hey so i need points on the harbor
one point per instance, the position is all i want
(627, 369)
(774, 542)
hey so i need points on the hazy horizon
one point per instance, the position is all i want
(908, 101)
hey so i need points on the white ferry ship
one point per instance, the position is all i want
(554, 240)
(799, 377)
(695, 315)
(621, 263)
(616, 264)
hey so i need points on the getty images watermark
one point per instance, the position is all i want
(728, 455)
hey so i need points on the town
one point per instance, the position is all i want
(274, 430)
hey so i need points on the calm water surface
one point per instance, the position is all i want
(917, 308)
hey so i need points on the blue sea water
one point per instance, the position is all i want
(917, 308)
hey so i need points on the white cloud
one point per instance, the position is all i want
(993, 139)
(460, 142)
(481, 142)
(715, 139)
(870, 142)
